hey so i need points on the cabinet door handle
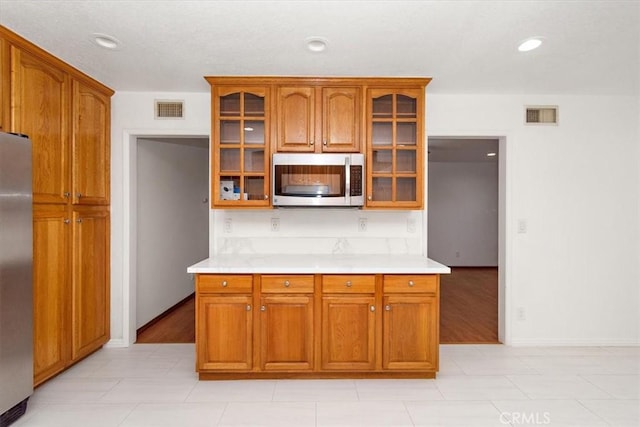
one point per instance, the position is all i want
(324, 142)
(66, 194)
(411, 283)
(263, 308)
(348, 284)
(248, 307)
(78, 195)
(369, 198)
(387, 307)
(224, 283)
(67, 220)
(266, 197)
(286, 284)
(79, 220)
(372, 308)
(311, 142)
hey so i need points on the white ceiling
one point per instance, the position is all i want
(467, 150)
(591, 47)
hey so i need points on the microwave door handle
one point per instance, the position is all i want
(347, 179)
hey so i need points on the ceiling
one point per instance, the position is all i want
(466, 150)
(590, 47)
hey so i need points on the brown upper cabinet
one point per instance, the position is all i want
(70, 133)
(380, 117)
(240, 153)
(318, 119)
(395, 148)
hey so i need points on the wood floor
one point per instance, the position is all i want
(468, 311)
(176, 325)
(469, 305)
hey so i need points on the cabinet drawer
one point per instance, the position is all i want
(345, 284)
(287, 284)
(224, 284)
(411, 283)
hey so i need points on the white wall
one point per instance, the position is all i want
(463, 213)
(172, 223)
(132, 115)
(575, 272)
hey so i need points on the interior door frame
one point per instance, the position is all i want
(504, 220)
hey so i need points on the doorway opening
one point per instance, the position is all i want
(168, 229)
(465, 210)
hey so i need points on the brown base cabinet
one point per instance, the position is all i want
(317, 326)
(71, 286)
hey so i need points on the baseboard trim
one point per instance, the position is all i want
(164, 314)
(573, 343)
(116, 343)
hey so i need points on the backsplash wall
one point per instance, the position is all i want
(316, 231)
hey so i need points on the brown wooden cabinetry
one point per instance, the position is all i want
(5, 84)
(410, 322)
(224, 322)
(90, 145)
(348, 322)
(286, 323)
(395, 147)
(382, 118)
(240, 146)
(316, 326)
(51, 289)
(90, 280)
(41, 98)
(318, 119)
(66, 115)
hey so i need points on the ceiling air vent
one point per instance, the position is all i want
(547, 115)
(169, 109)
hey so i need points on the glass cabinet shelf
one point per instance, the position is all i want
(395, 148)
(240, 163)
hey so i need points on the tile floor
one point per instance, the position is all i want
(478, 385)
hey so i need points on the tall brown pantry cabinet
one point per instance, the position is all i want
(66, 114)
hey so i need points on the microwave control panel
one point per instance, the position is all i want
(356, 180)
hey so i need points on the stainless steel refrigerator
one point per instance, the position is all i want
(16, 277)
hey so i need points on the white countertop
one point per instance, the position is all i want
(319, 264)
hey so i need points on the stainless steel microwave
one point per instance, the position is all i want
(307, 179)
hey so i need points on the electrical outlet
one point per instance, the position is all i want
(275, 224)
(227, 225)
(411, 225)
(520, 314)
(522, 226)
(362, 224)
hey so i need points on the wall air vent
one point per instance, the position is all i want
(545, 115)
(169, 109)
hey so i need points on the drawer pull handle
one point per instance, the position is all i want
(411, 283)
(224, 283)
(372, 308)
(286, 284)
(248, 307)
(348, 284)
(263, 308)
(387, 307)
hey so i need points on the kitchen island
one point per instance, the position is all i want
(317, 316)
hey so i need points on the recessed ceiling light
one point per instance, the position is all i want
(106, 41)
(491, 154)
(530, 44)
(317, 44)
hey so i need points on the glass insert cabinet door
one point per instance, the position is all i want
(241, 145)
(395, 148)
